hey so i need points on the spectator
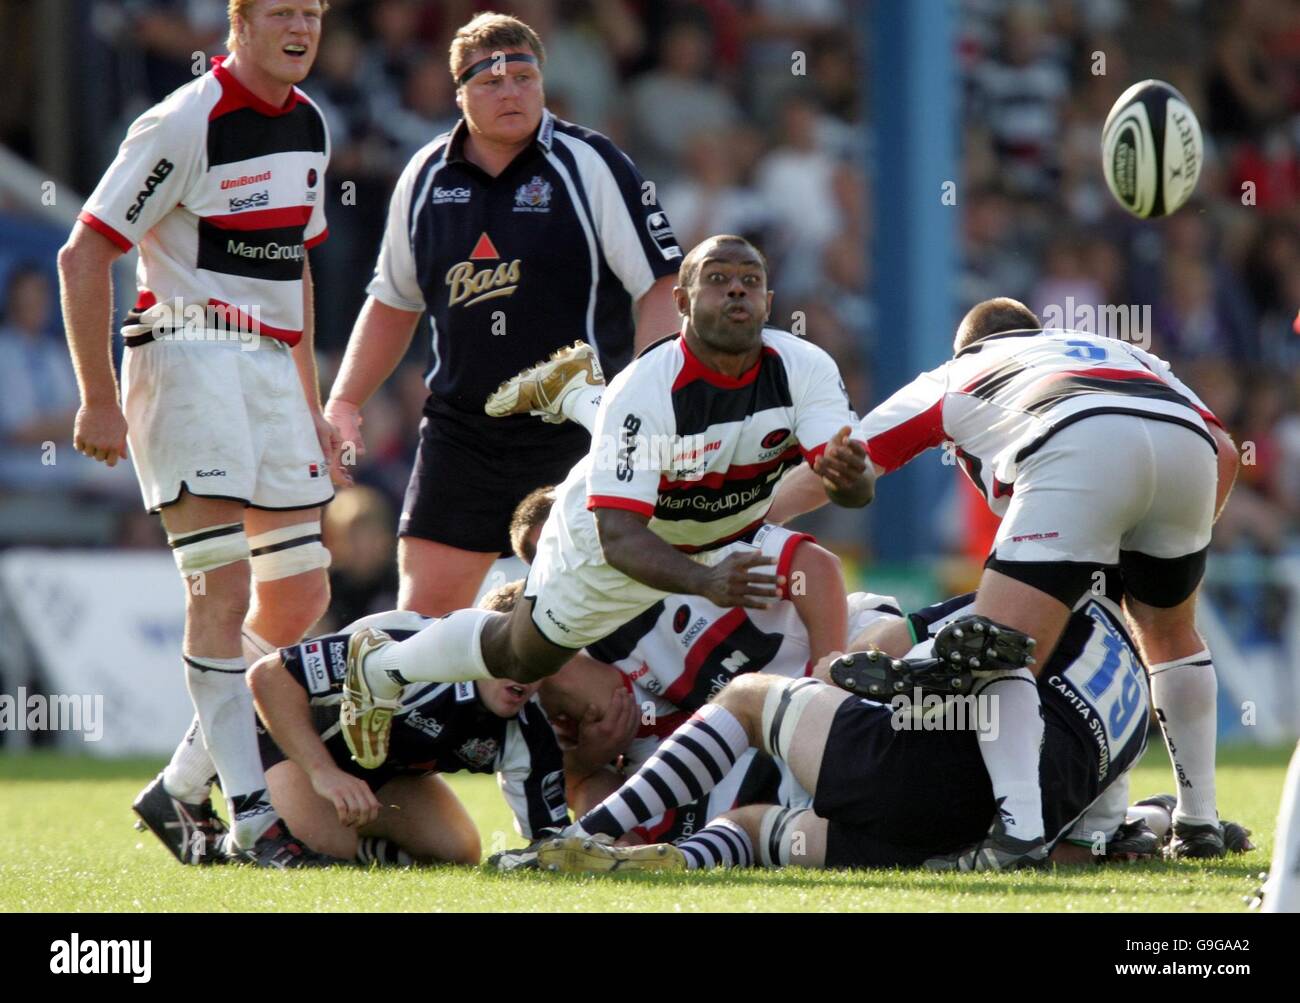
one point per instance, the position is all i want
(361, 534)
(38, 391)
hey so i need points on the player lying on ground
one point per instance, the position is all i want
(1100, 461)
(671, 659)
(690, 441)
(890, 790)
(404, 812)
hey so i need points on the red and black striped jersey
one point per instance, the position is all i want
(1002, 397)
(699, 452)
(223, 193)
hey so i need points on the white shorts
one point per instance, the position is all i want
(1113, 489)
(219, 421)
(579, 599)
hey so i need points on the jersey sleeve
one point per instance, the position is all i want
(633, 230)
(531, 774)
(395, 282)
(148, 178)
(631, 447)
(311, 666)
(1162, 369)
(908, 423)
(821, 402)
(317, 228)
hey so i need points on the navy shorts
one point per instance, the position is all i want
(471, 472)
(893, 798)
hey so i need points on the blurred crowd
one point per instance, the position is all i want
(750, 116)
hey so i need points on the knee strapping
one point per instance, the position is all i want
(776, 835)
(208, 549)
(288, 551)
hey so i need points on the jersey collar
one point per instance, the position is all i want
(975, 346)
(694, 369)
(543, 140)
(235, 95)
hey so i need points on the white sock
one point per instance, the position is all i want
(446, 651)
(188, 777)
(1282, 891)
(1156, 818)
(580, 405)
(225, 709)
(1011, 757)
(1185, 694)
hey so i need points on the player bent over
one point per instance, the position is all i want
(222, 187)
(1103, 464)
(404, 812)
(690, 442)
(888, 790)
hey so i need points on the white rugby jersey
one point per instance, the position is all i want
(700, 453)
(224, 194)
(1002, 397)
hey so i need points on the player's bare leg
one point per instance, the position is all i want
(436, 579)
(1012, 757)
(816, 588)
(1184, 693)
(209, 541)
(789, 719)
(782, 837)
(290, 592)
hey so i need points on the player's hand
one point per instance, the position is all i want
(566, 732)
(842, 464)
(348, 447)
(604, 733)
(100, 432)
(330, 443)
(732, 582)
(822, 670)
(351, 797)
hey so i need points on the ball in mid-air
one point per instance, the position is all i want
(1151, 149)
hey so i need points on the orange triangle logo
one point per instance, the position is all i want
(484, 248)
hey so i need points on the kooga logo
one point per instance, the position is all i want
(264, 252)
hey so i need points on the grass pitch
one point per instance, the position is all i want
(67, 844)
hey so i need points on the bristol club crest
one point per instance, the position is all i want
(534, 196)
(478, 751)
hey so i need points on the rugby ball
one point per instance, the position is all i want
(1151, 149)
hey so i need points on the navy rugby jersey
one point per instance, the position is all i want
(556, 248)
(223, 193)
(442, 727)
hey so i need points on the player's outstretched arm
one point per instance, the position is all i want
(632, 548)
(86, 292)
(847, 477)
(282, 705)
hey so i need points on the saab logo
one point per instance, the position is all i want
(313, 668)
(627, 451)
(553, 795)
(245, 179)
(214, 472)
(478, 751)
(338, 659)
(680, 617)
(264, 252)
(257, 200)
(470, 285)
(426, 725)
(464, 692)
(457, 196)
(311, 177)
(775, 438)
(160, 172)
(534, 196)
(661, 232)
(638, 673)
